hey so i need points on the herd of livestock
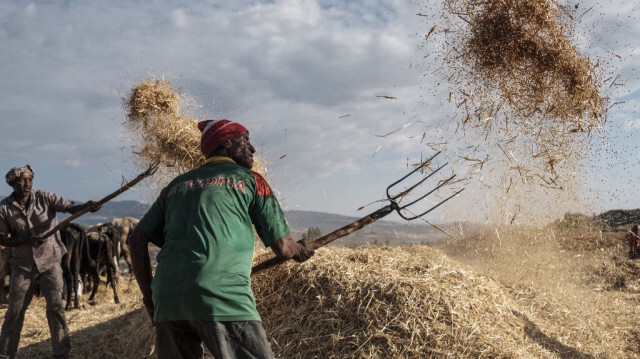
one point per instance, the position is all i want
(91, 252)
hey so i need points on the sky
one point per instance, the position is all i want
(338, 96)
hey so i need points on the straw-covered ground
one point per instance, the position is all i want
(503, 293)
(103, 330)
(577, 282)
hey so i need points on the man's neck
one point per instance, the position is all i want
(217, 159)
(22, 199)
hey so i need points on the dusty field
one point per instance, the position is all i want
(580, 287)
(503, 293)
(104, 330)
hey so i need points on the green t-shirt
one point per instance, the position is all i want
(203, 223)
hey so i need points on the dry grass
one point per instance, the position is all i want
(104, 330)
(527, 102)
(516, 73)
(581, 296)
(168, 136)
(389, 302)
(513, 293)
(163, 132)
(521, 49)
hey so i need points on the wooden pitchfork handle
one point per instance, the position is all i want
(339, 233)
(151, 170)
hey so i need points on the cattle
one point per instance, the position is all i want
(108, 230)
(100, 248)
(74, 239)
(122, 227)
(5, 270)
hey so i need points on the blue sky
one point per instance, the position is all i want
(308, 78)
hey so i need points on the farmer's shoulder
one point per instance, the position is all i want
(41, 195)
(261, 185)
(226, 168)
(212, 173)
(6, 200)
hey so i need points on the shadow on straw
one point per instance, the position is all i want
(129, 335)
(551, 344)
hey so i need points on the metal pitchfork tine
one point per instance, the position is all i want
(374, 216)
(405, 192)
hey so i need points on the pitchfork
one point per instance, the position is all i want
(395, 205)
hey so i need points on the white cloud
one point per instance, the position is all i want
(179, 19)
(30, 9)
(72, 163)
(295, 13)
(288, 69)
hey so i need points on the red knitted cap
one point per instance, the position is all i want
(215, 132)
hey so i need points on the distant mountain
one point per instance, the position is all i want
(328, 222)
(612, 220)
(381, 231)
(299, 221)
(109, 211)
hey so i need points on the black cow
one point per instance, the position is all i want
(100, 256)
(75, 240)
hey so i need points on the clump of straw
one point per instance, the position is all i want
(167, 136)
(527, 102)
(162, 132)
(520, 51)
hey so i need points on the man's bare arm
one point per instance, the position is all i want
(139, 248)
(93, 207)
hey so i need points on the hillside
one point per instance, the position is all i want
(380, 232)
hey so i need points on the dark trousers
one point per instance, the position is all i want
(225, 340)
(22, 287)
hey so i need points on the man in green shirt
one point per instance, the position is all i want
(202, 221)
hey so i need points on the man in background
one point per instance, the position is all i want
(202, 221)
(25, 215)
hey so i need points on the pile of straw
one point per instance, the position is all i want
(162, 132)
(388, 302)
